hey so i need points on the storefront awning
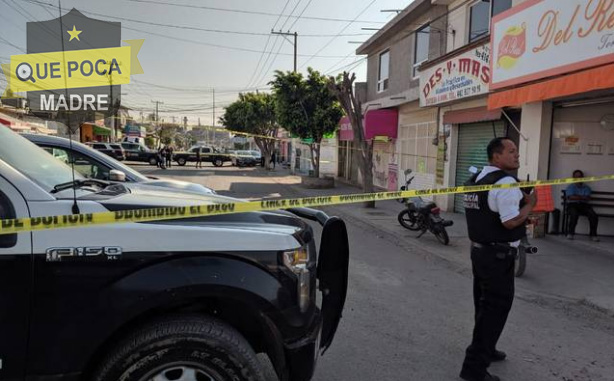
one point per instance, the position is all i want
(377, 123)
(576, 83)
(471, 115)
(381, 123)
(98, 130)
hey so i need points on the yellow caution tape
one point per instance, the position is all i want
(18, 225)
(236, 132)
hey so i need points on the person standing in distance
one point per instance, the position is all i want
(496, 224)
(199, 163)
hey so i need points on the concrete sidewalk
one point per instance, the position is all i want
(578, 271)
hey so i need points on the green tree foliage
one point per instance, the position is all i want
(254, 113)
(307, 108)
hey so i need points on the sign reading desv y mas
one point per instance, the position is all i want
(462, 76)
(73, 63)
(543, 38)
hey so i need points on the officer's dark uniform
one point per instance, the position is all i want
(493, 275)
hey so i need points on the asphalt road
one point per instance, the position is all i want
(409, 316)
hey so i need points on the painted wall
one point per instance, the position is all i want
(401, 47)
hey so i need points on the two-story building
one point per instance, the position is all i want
(403, 133)
(456, 86)
(461, 72)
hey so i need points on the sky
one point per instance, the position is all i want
(195, 48)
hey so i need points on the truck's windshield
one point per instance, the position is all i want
(33, 161)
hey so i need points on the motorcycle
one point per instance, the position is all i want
(423, 216)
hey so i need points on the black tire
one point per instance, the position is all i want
(409, 220)
(153, 161)
(441, 234)
(218, 162)
(181, 161)
(520, 263)
(176, 345)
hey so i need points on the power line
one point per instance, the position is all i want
(188, 40)
(217, 45)
(263, 72)
(202, 89)
(266, 45)
(295, 38)
(6, 42)
(342, 30)
(32, 18)
(252, 12)
(188, 27)
(358, 62)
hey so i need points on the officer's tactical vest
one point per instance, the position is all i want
(483, 224)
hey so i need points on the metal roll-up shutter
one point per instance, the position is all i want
(472, 142)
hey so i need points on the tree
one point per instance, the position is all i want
(166, 132)
(343, 88)
(254, 113)
(307, 108)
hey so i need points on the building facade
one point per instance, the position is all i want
(395, 52)
(455, 86)
(557, 69)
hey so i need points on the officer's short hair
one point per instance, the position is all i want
(578, 171)
(495, 146)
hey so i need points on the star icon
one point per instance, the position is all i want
(74, 33)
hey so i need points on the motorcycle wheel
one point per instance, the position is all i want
(409, 220)
(520, 264)
(441, 234)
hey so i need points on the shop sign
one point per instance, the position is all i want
(571, 145)
(541, 38)
(463, 76)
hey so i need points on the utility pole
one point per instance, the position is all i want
(295, 44)
(292, 140)
(157, 116)
(213, 121)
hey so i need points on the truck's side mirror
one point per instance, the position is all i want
(6, 212)
(116, 175)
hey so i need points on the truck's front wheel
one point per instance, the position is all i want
(182, 348)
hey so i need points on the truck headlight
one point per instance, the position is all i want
(297, 261)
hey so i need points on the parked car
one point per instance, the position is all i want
(112, 149)
(138, 152)
(181, 299)
(244, 159)
(207, 155)
(258, 157)
(95, 165)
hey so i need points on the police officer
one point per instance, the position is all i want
(496, 224)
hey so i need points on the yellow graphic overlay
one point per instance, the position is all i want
(168, 213)
(74, 33)
(73, 68)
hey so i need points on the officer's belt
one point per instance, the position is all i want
(497, 247)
